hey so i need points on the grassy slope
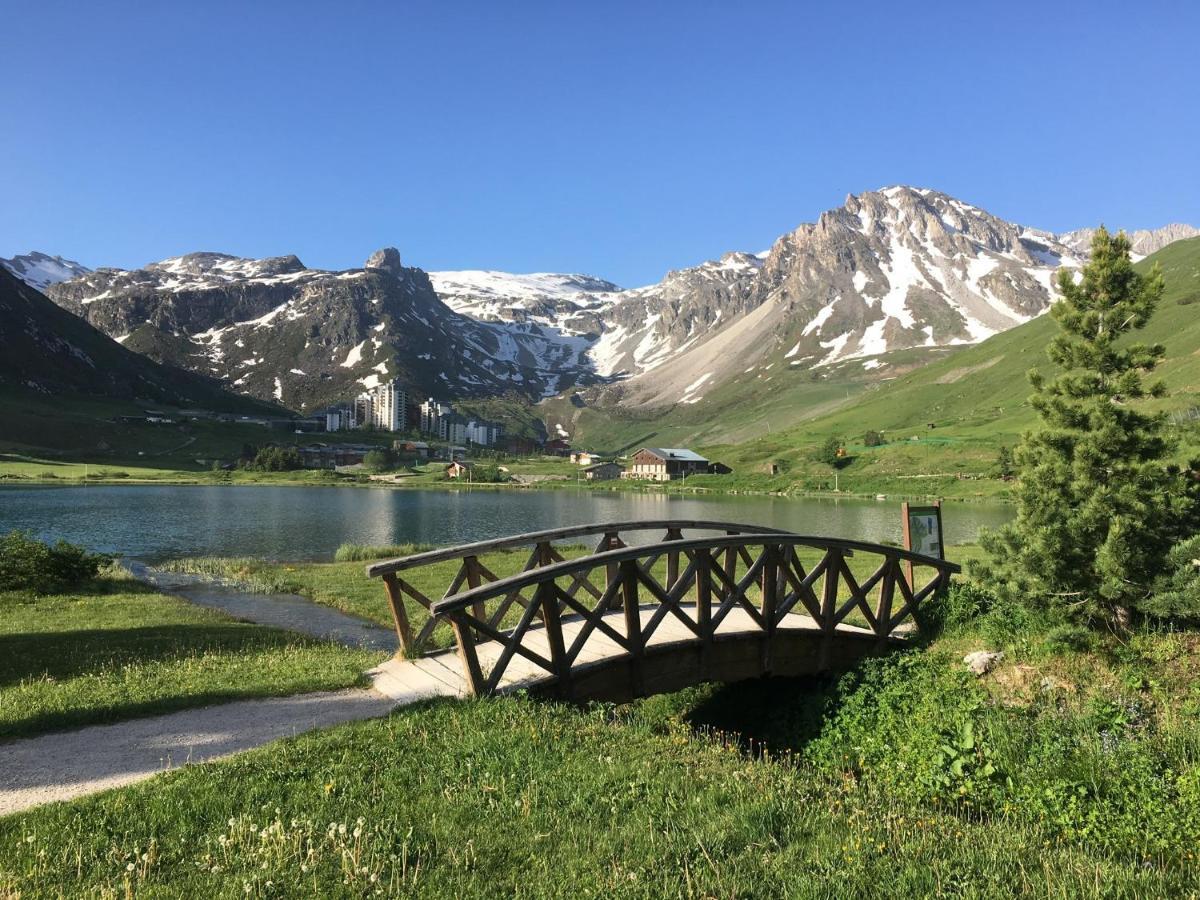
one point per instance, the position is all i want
(118, 650)
(1089, 787)
(976, 397)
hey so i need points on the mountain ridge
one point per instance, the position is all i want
(896, 269)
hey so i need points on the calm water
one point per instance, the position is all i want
(301, 523)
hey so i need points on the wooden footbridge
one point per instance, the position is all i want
(654, 606)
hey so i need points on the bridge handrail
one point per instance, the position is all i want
(505, 586)
(477, 548)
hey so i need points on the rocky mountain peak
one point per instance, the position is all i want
(40, 270)
(387, 259)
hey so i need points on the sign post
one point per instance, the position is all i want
(922, 532)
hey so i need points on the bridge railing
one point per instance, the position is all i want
(473, 566)
(554, 615)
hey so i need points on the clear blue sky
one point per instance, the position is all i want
(610, 138)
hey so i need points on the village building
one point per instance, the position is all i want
(605, 471)
(584, 457)
(460, 468)
(665, 464)
(340, 417)
(333, 456)
(412, 449)
(384, 407)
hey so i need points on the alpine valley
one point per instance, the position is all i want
(889, 281)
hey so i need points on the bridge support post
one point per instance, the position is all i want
(466, 653)
(633, 626)
(399, 613)
(547, 598)
(883, 612)
(704, 563)
(770, 602)
(474, 580)
(673, 534)
(829, 594)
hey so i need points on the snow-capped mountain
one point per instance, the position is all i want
(39, 271)
(275, 329)
(896, 269)
(1144, 241)
(899, 269)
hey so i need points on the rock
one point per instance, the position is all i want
(981, 661)
(387, 259)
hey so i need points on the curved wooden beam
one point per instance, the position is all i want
(556, 534)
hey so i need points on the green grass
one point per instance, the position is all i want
(117, 650)
(908, 778)
(362, 553)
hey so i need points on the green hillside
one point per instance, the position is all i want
(944, 422)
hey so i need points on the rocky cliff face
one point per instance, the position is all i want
(44, 348)
(891, 271)
(275, 329)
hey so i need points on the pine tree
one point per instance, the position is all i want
(1098, 508)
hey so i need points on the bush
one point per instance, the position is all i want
(1177, 594)
(962, 602)
(874, 439)
(828, 452)
(488, 475)
(1068, 638)
(380, 460)
(27, 564)
(276, 459)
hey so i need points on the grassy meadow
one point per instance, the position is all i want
(1072, 769)
(115, 649)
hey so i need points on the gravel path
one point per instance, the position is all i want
(290, 611)
(70, 764)
(64, 765)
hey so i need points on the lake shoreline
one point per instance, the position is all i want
(155, 521)
(343, 481)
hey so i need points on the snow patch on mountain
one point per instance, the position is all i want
(40, 270)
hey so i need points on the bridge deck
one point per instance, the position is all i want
(440, 674)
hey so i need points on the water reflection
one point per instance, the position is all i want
(155, 521)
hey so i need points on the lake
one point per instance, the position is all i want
(308, 523)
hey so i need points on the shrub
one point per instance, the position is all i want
(276, 459)
(1177, 594)
(1068, 638)
(380, 460)
(874, 439)
(829, 451)
(27, 564)
(963, 602)
(488, 475)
